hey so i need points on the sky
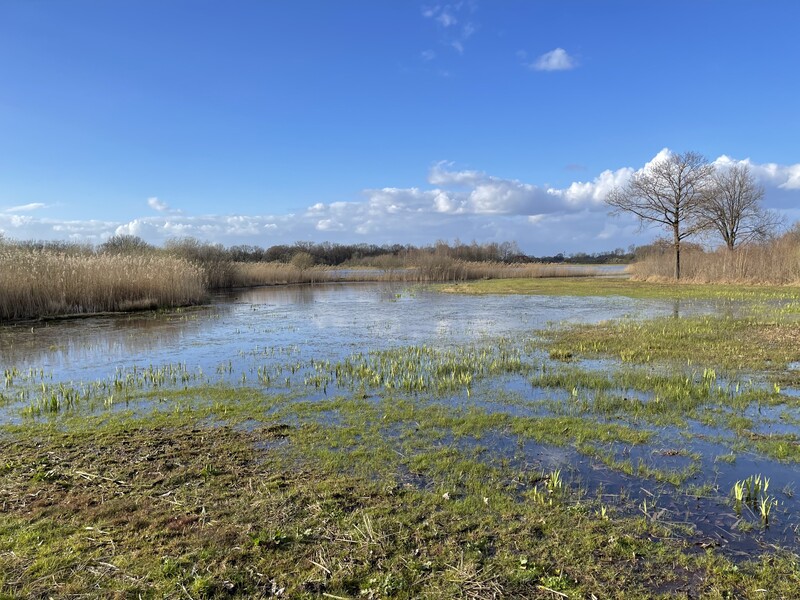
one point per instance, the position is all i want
(385, 121)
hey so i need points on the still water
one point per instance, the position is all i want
(323, 322)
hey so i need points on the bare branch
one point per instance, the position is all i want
(669, 193)
(733, 208)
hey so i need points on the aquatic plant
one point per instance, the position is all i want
(765, 504)
(752, 492)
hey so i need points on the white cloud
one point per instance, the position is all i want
(555, 60)
(595, 191)
(329, 225)
(446, 18)
(26, 207)
(793, 178)
(157, 204)
(427, 55)
(537, 219)
(430, 11)
(453, 203)
(440, 175)
(786, 177)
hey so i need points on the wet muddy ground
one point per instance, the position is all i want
(389, 381)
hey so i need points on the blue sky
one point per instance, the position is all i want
(264, 122)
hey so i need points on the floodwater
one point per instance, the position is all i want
(329, 321)
(246, 330)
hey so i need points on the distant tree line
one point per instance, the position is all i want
(323, 253)
(614, 257)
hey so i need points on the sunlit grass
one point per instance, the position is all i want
(620, 286)
(767, 341)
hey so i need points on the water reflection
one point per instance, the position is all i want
(323, 322)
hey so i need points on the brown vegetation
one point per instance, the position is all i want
(41, 282)
(773, 262)
(249, 274)
(40, 279)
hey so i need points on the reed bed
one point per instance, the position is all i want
(776, 263)
(420, 271)
(441, 269)
(37, 283)
(49, 279)
(250, 274)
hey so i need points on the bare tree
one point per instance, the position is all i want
(733, 208)
(670, 193)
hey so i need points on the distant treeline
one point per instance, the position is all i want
(334, 255)
(321, 253)
(614, 257)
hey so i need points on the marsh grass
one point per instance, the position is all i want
(399, 473)
(167, 506)
(431, 269)
(767, 340)
(36, 283)
(620, 286)
(250, 274)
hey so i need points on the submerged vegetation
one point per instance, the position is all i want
(575, 461)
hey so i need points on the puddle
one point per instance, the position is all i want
(710, 514)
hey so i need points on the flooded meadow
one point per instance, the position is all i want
(527, 418)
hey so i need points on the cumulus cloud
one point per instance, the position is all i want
(27, 227)
(785, 177)
(441, 175)
(162, 207)
(494, 195)
(594, 192)
(230, 229)
(555, 60)
(464, 203)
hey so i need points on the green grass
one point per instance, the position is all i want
(766, 341)
(169, 507)
(613, 286)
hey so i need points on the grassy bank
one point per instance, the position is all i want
(170, 506)
(614, 286)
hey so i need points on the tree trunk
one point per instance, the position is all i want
(677, 242)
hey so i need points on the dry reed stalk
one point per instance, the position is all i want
(35, 283)
(775, 263)
(247, 274)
